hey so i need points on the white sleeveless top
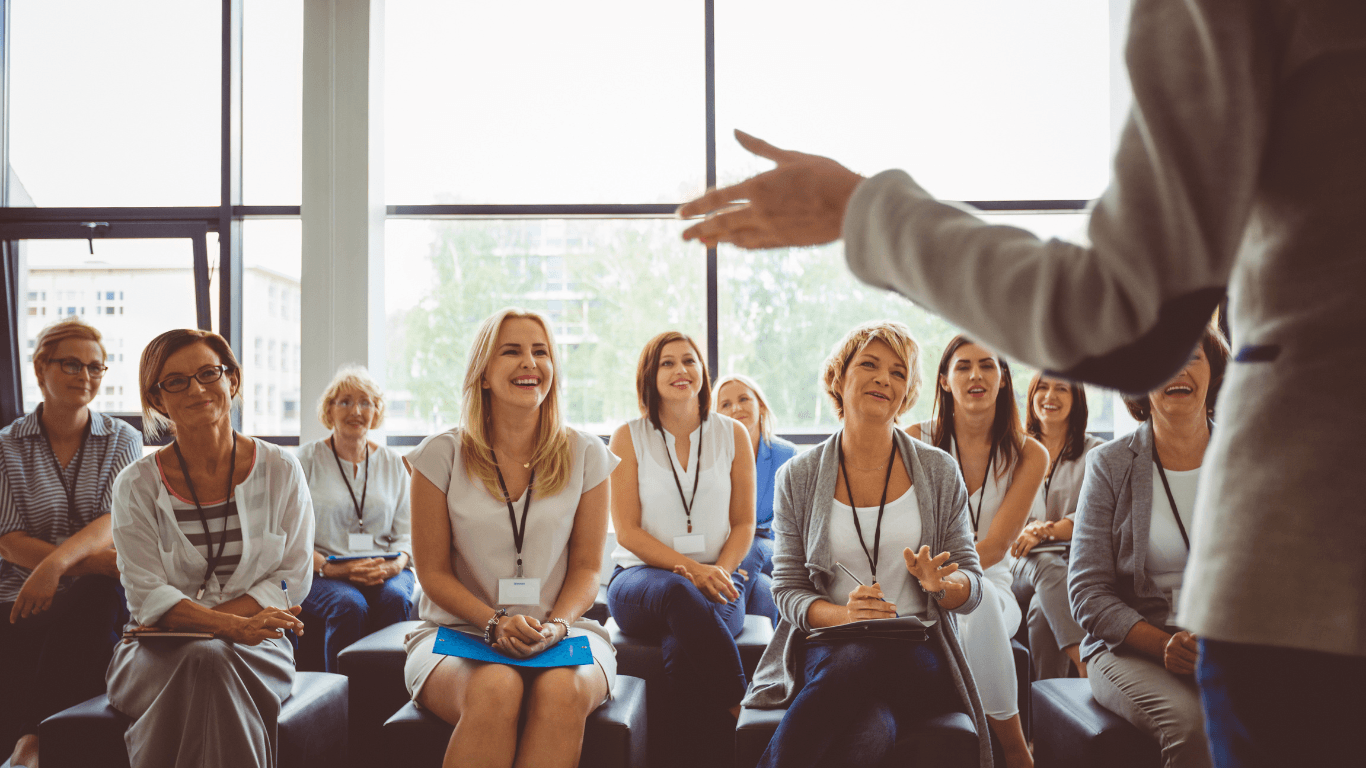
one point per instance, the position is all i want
(661, 510)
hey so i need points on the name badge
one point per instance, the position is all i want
(690, 543)
(360, 542)
(519, 591)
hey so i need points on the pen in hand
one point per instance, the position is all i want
(855, 578)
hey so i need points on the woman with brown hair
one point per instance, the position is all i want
(61, 606)
(976, 422)
(214, 535)
(511, 457)
(683, 506)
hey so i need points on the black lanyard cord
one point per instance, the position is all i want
(360, 508)
(203, 520)
(976, 514)
(518, 535)
(882, 507)
(697, 472)
(1171, 499)
(72, 518)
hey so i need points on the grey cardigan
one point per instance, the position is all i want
(1107, 578)
(803, 567)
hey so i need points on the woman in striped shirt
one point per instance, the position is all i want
(61, 606)
(213, 533)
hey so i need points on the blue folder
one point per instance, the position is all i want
(569, 652)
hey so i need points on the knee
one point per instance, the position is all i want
(351, 613)
(210, 658)
(493, 694)
(563, 693)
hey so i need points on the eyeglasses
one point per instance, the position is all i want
(347, 404)
(72, 367)
(182, 383)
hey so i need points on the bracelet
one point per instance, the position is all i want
(493, 622)
(561, 622)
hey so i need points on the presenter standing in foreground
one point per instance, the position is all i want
(1241, 170)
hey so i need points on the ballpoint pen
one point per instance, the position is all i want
(856, 579)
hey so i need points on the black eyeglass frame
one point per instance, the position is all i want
(213, 374)
(72, 367)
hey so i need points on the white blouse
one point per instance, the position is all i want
(1167, 551)
(662, 513)
(386, 513)
(482, 547)
(159, 566)
(900, 529)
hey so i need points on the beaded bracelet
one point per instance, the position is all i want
(562, 623)
(493, 622)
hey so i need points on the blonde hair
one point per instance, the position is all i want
(155, 422)
(355, 377)
(63, 330)
(553, 457)
(765, 413)
(893, 334)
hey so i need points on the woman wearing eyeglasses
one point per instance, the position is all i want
(61, 606)
(214, 535)
(360, 505)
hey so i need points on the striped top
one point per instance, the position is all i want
(32, 498)
(220, 515)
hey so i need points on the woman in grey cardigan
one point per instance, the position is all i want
(880, 504)
(1129, 550)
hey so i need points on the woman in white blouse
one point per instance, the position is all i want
(214, 534)
(683, 507)
(976, 421)
(360, 500)
(513, 494)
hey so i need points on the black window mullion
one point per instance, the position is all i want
(713, 300)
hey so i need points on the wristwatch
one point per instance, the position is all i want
(940, 595)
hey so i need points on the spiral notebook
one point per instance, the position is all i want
(569, 652)
(905, 628)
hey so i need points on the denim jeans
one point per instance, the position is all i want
(1267, 706)
(856, 697)
(58, 658)
(759, 601)
(348, 612)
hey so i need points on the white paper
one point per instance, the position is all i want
(690, 544)
(519, 591)
(360, 542)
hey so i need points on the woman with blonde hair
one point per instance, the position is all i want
(61, 606)
(511, 495)
(362, 547)
(871, 525)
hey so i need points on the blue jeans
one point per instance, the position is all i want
(349, 612)
(1267, 706)
(856, 696)
(763, 541)
(759, 601)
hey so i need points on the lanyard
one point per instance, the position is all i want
(1048, 481)
(882, 506)
(72, 518)
(518, 536)
(204, 521)
(697, 472)
(1171, 499)
(360, 508)
(976, 514)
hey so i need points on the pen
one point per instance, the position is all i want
(285, 587)
(852, 576)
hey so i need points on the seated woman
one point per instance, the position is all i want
(977, 423)
(683, 506)
(213, 532)
(1057, 419)
(511, 494)
(1129, 551)
(894, 512)
(360, 502)
(61, 606)
(740, 397)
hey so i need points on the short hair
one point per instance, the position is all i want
(553, 457)
(1007, 439)
(765, 413)
(890, 332)
(647, 374)
(1216, 351)
(53, 335)
(1076, 418)
(351, 376)
(156, 422)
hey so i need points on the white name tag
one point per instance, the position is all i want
(519, 591)
(690, 544)
(360, 542)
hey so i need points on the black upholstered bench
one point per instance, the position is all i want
(946, 741)
(614, 736)
(312, 729)
(1072, 731)
(374, 665)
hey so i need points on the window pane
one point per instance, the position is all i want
(990, 100)
(116, 104)
(606, 286)
(272, 102)
(149, 285)
(543, 102)
(271, 253)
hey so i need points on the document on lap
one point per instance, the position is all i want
(569, 652)
(906, 628)
(344, 558)
(162, 634)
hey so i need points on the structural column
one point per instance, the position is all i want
(343, 195)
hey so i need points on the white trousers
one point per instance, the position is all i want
(985, 636)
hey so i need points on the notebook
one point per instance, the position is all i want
(569, 652)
